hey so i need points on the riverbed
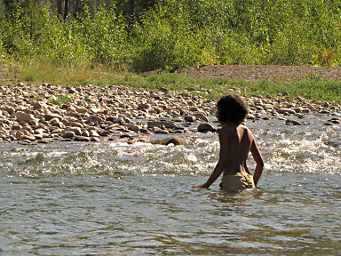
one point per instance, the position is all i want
(113, 198)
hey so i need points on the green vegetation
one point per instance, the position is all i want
(172, 34)
(312, 87)
(61, 99)
(107, 44)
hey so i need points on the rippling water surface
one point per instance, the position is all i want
(119, 199)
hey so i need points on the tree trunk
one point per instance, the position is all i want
(66, 9)
(59, 5)
(9, 6)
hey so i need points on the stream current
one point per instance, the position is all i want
(117, 199)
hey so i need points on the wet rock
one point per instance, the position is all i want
(144, 130)
(189, 118)
(201, 117)
(301, 116)
(95, 139)
(286, 111)
(166, 140)
(292, 122)
(68, 134)
(82, 138)
(159, 130)
(334, 120)
(305, 110)
(129, 135)
(323, 111)
(251, 117)
(328, 124)
(131, 141)
(45, 140)
(103, 132)
(206, 127)
(161, 124)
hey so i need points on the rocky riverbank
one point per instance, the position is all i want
(45, 113)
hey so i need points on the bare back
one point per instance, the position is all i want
(235, 143)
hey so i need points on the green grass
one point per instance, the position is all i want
(312, 88)
(61, 99)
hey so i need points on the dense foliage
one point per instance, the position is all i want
(170, 34)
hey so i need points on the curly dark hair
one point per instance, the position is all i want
(231, 108)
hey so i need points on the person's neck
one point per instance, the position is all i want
(230, 125)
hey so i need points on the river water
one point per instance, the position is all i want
(119, 199)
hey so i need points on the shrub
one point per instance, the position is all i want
(171, 34)
(105, 35)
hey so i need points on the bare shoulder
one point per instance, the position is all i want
(248, 131)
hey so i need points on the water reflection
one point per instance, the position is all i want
(163, 215)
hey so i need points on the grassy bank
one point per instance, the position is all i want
(312, 87)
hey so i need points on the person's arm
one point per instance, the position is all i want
(219, 167)
(213, 177)
(259, 161)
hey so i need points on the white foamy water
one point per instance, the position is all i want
(310, 148)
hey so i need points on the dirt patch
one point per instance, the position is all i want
(263, 72)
